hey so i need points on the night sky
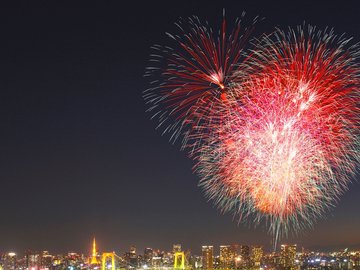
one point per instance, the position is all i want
(79, 156)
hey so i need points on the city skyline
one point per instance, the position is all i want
(80, 157)
(240, 257)
(93, 250)
(216, 249)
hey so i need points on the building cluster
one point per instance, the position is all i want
(41, 261)
(228, 257)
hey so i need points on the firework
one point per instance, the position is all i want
(195, 76)
(289, 143)
(274, 131)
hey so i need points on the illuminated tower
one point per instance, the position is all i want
(179, 257)
(94, 257)
(256, 256)
(105, 257)
(208, 257)
(179, 260)
(288, 255)
(227, 256)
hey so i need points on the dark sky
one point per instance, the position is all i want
(79, 156)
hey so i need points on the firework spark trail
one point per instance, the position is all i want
(195, 77)
(289, 144)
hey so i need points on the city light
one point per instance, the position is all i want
(223, 257)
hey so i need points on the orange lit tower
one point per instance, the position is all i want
(94, 257)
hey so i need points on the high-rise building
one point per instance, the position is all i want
(257, 253)
(287, 257)
(132, 250)
(244, 256)
(208, 257)
(176, 248)
(32, 260)
(131, 257)
(195, 262)
(10, 261)
(227, 256)
(45, 260)
(148, 254)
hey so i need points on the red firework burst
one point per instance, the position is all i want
(195, 76)
(274, 133)
(289, 143)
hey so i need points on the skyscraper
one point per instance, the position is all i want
(32, 260)
(148, 254)
(245, 256)
(10, 261)
(287, 257)
(227, 257)
(132, 250)
(256, 256)
(208, 257)
(176, 248)
(131, 257)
